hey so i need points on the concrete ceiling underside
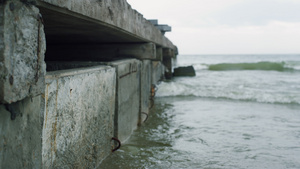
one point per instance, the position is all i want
(61, 28)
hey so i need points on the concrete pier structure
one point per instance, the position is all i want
(73, 75)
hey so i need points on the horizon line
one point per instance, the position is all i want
(247, 54)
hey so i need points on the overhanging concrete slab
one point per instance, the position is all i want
(90, 21)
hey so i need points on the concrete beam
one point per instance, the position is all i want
(163, 28)
(108, 21)
(159, 54)
(22, 48)
(153, 21)
(168, 55)
(101, 52)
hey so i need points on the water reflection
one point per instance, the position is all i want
(191, 132)
(150, 144)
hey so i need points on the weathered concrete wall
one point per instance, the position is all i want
(20, 139)
(127, 114)
(133, 91)
(22, 48)
(146, 81)
(79, 117)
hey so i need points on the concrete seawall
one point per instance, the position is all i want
(74, 75)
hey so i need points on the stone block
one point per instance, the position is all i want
(79, 117)
(20, 139)
(128, 103)
(22, 48)
(157, 72)
(128, 97)
(128, 91)
(146, 81)
(184, 71)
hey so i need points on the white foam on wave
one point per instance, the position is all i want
(238, 92)
(258, 78)
(292, 65)
(200, 66)
(171, 89)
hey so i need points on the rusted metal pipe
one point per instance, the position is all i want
(119, 144)
(146, 116)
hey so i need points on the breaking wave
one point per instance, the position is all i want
(266, 66)
(176, 89)
(225, 78)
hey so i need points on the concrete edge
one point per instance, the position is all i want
(76, 71)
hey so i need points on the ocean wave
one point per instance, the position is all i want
(176, 89)
(249, 66)
(266, 66)
(295, 65)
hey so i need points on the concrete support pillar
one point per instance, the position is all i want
(157, 72)
(22, 48)
(168, 55)
(146, 82)
(20, 133)
(22, 81)
(159, 54)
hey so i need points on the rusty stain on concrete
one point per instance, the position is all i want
(46, 102)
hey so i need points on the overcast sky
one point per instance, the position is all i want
(228, 26)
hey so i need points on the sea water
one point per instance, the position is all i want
(239, 111)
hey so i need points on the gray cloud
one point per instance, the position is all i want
(258, 12)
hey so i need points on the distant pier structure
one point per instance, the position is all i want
(76, 77)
